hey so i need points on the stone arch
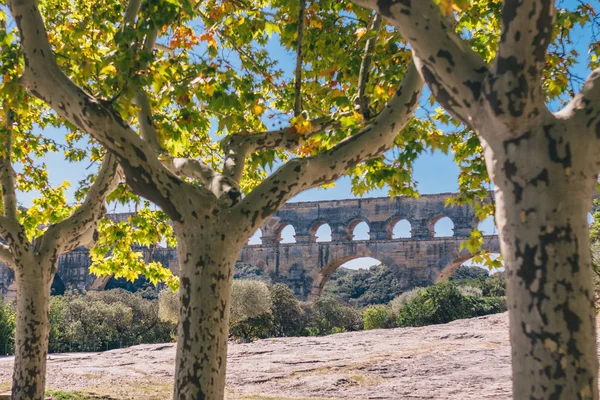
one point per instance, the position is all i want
(354, 224)
(282, 229)
(320, 231)
(324, 274)
(447, 265)
(392, 225)
(443, 219)
(58, 286)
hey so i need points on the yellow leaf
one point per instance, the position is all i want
(209, 89)
(301, 125)
(337, 93)
(258, 109)
(108, 70)
(379, 91)
(316, 23)
(360, 32)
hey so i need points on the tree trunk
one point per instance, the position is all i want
(543, 195)
(207, 256)
(33, 279)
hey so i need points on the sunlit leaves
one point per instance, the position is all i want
(118, 249)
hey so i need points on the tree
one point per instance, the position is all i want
(212, 220)
(544, 167)
(34, 238)
(34, 258)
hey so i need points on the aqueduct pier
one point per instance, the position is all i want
(305, 266)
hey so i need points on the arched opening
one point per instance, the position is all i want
(360, 263)
(121, 283)
(323, 233)
(288, 234)
(256, 238)
(401, 229)
(443, 227)
(360, 231)
(58, 286)
(471, 262)
(488, 226)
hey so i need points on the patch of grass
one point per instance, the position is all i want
(365, 379)
(60, 395)
(5, 387)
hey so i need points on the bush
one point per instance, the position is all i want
(7, 327)
(479, 306)
(288, 317)
(105, 320)
(401, 300)
(168, 306)
(378, 317)
(466, 273)
(251, 304)
(329, 316)
(377, 285)
(470, 291)
(436, 304)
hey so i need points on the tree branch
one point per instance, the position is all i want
(526, 33)
(7, 174)
(452, 70)
(80, 228)
(6, 255)
(362, 101)
(217, 183)
(299, 59)
(44, 79)
(586, 101)
(301, 174)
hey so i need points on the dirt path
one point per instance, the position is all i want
(467, 359)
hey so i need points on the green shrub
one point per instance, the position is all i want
(251, 304)
(7, 327)
(479, 306)
(288, 316)
(329, 316)
(436, 304)
(378, 317)
(168, 306)
(470, 291)
(105, 320)
(401, 300)
(360, 288)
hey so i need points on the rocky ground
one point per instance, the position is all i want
(466, 359)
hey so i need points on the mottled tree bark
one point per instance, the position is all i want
(34, 279)
(544, 167)
(207, 253)
(35, 265)
(543, 194)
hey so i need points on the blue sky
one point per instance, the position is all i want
(434, 173)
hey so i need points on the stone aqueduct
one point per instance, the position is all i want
(307, 264)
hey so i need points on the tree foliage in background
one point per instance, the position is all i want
(378, 317)
(7, 327)
(359, 288)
